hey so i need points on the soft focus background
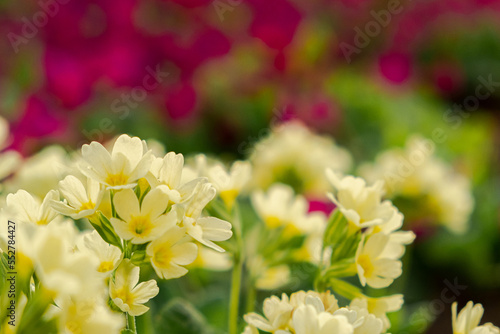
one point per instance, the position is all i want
(213, 76)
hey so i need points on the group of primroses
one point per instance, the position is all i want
(147, 211)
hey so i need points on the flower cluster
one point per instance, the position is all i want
(143, 213)
(312, 312)
(415, 175)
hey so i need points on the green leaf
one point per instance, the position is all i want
(139, 258)
(335, 230)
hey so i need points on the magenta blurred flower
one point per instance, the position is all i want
(396, 67)
(67, 78)
(181, 101)
(274, 22)
(37, 121)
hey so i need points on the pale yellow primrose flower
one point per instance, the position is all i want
(87, 316)
(8, 160)
(128, 162)
(41, 172)
(295, 155)
(145, 222)
(80, 201)
(168, 172)
(379, 306)
(311, 318)
(361, 205)
(127, 294)
(373, 267)
(170, 252)
(109, 256)
(204, 229)
(230, 184)
(26, 208)
(277, 314)
(467, 321)
(280, 207)
(59, 267)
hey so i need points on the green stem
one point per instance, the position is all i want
(251, 297)
(234, 302)
(131, 323)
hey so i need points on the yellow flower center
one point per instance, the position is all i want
(140, 226)
(229, 196)
(163, 257)
(87, 206)
(365, 263)
(105, 266)
(125, 295)
(116, 179)
(273, 222)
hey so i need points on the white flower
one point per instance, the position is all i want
(58, 266)
(277, 314)
(379, 307)
(109, 256)
(168, 172)
(329, 302)
(362, 205)
(127, 294)
(144, 222)
(81, 201)
(230, 184)
(415, 172)
(41, 172)
(27, 208)
(467, 321)
(395, 247)
(87, 316)
(373, 268)
(280, 207)
(128, 162)
(204, 229)
(311, 318)
(294, 155)
(170, 252)
(9, 160)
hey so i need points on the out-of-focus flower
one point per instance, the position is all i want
(129, 296)
(9, 160)
(230, 184)
(295, 156)
(281, 208)
(379, 306)
(443, 195)
(29, 209)
(467, 321)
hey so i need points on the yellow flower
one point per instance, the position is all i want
(128, 161)
(170, 252)
(127, 294)
(81, 201)
(144, 222)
